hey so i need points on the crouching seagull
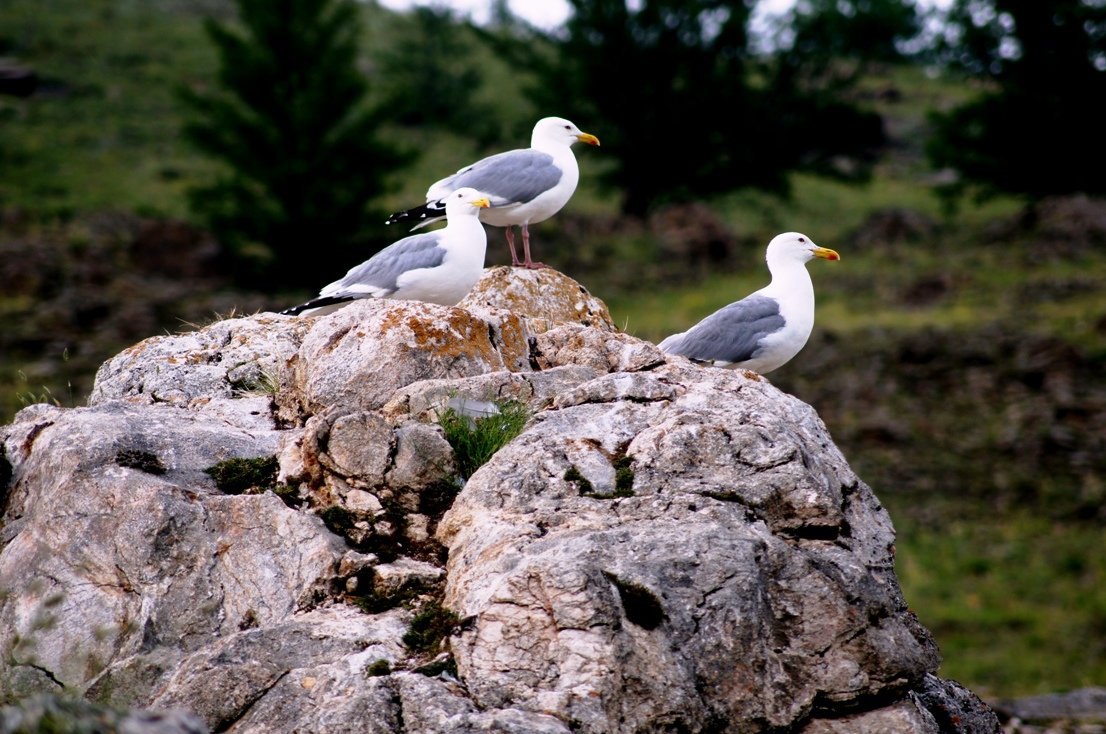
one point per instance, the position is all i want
(764, 330)
(525, 186)
(436, 267)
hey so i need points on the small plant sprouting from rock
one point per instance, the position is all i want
(623, 477)
(141, 460)
(623, 480)
(443, 663)
(236, 476)
(476, 438)
(288, 494)
(378, 668)
(429, 628)
(370, 598)
(259, 383)
(337, 519)
(572, 474)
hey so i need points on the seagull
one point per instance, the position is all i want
(764, 330)
(526, 185)
(437, 267)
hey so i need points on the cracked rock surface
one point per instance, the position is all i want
(249, 523)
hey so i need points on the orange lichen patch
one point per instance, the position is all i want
(540, 294)
(513, 342)
(452, 334)
(752, 375)
(425, 328)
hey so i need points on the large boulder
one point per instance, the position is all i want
(263, 524)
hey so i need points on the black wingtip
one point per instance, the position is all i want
(430, 210)
(315, 303)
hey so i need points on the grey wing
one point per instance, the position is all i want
(730, 334)
(514, 177)
(377, 276)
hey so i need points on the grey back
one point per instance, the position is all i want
(732, 333)
(514, 176)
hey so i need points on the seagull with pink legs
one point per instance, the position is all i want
(525, 186)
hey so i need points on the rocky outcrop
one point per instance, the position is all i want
(263, 524)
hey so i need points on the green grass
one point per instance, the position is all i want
(475, 440)
(429, 628)
(103, 132)
(1015, 600)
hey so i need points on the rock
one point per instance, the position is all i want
(361, 354)
(599, 350)
(250, 523)
(223, 681)
(53, 713)
(224, 360)
(427, 399)
(545, 297)
(696, 524)
(165, 562)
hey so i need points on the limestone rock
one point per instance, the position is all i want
(361, 354)
(57, 713)
(600, 350)
(695, 524)
(223, 360)
(248, 519)
(118, 545)
(545, 297)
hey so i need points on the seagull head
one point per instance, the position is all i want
(795, 246)
(466, 200)
(559, 131)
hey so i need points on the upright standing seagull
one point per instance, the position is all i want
(526, 185)
(437, 267)
(766, 329)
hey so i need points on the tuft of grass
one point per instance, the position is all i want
(263, 384)
(623, 476)
(429, 628)
(288, 494)
(373, 601)
(337, 519)
(623, 480)
(378, 668)
(476, 439)
(237, 476)
(583, 484)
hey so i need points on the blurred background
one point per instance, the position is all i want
(164, 163)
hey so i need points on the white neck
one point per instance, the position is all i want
(790, 278)
(465, 228)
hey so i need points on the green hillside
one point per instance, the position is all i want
(957, 357)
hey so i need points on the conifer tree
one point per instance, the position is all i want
(289, 120)
(685, 106)
(1037, 129)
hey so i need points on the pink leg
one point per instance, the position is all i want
(511, 243)
(528, 263)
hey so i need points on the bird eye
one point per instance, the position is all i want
(567, 127)
(802, 239)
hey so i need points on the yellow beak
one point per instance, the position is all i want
(826, 253)
(589, 139)
(480, 203)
